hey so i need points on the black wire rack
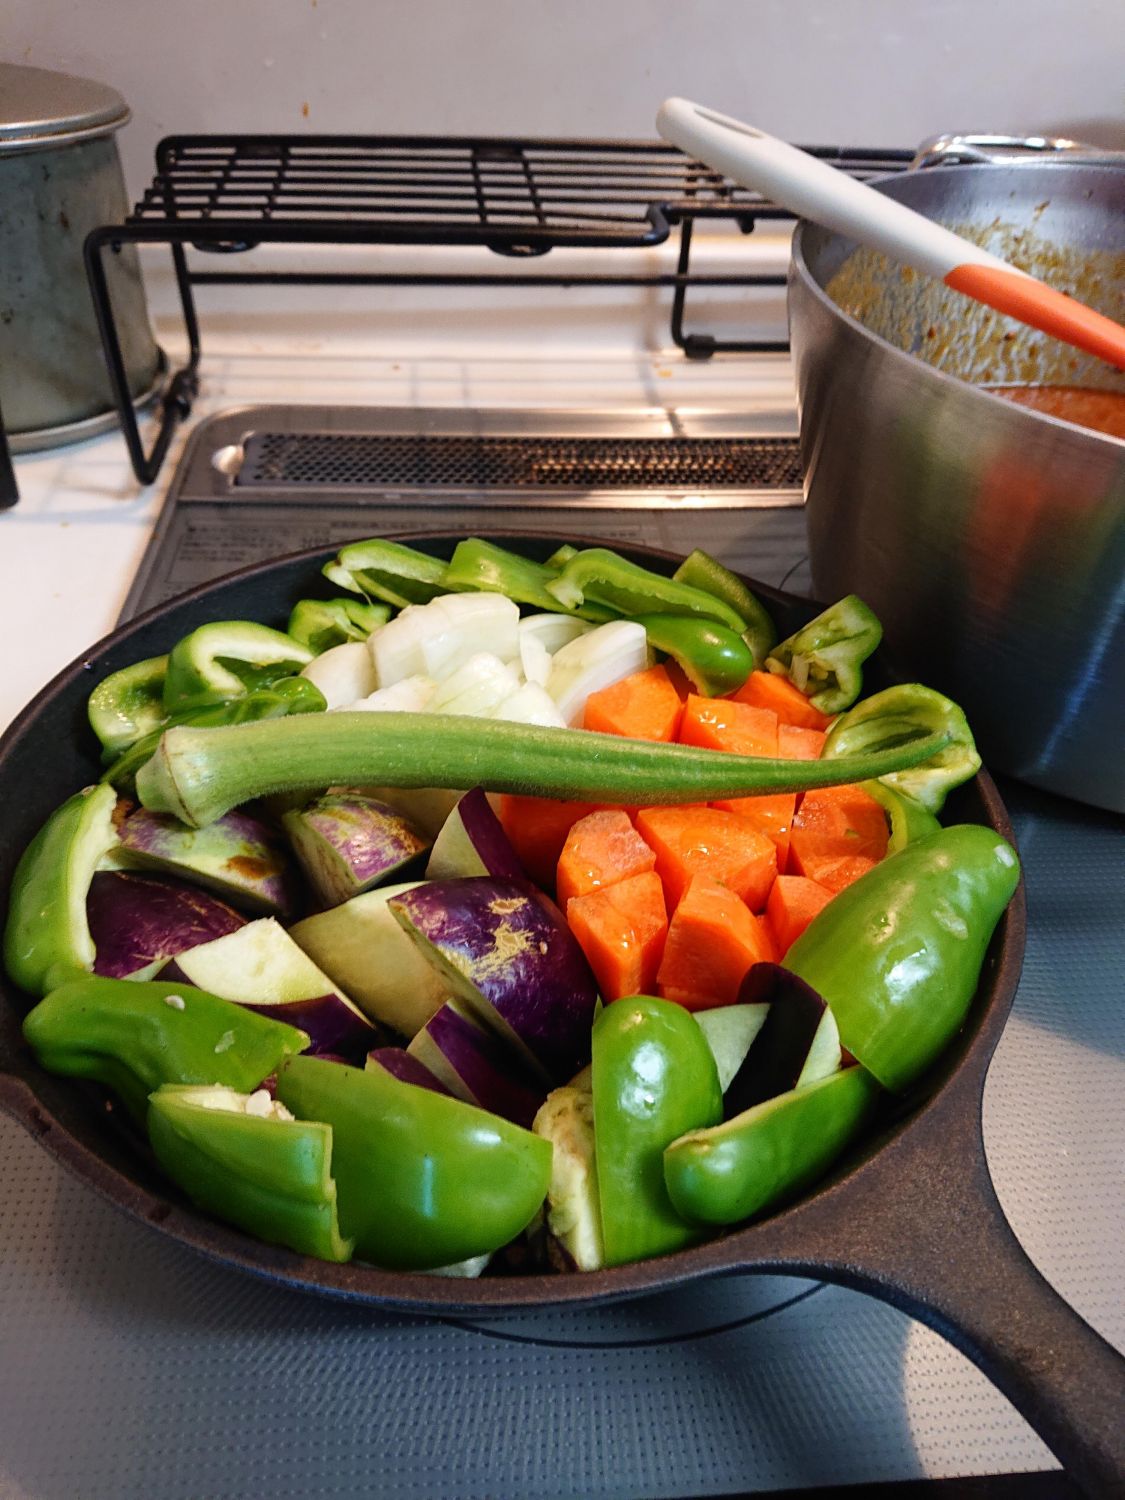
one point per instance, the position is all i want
(519, 199)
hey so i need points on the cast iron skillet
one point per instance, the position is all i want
(910, 1217)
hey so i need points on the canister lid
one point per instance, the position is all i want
(39, 109)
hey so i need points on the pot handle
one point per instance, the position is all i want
(924, 1231)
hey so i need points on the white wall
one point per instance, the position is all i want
(865, 72)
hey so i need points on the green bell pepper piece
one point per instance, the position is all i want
(321, 624)
(288, 695)
(909, 821)
(824, 658)
(47, 937)
(134, 1035)
(480, 565)
(127, 705)
(560, 557)
(600, 576)
(897, 955)
(423, 1180)
(896, 715)
(227, 659)
(702, 571)
(389, 571)
(265, 1173)
(769, 1152)
(714, 659)
(654, 1077)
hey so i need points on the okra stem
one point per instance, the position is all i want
(199, 774)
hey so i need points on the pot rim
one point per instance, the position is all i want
(799, 271)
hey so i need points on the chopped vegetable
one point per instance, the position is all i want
(477, 564)
(715, 659)
(605, 578)
(838, 834)
(134, 1035)
(691, 841)
(654, 1079)
(321, 624)
(138, 923)
(226, 659)
(346, 843)
(797, 743)
(472, 842)
(127, 705)
(433, 640)
(473, 1064)
(601, 849)
(479, 687)
(421, 1180)
(824, 658)
(243, 1158)
(47, 936)
(595, 661)
(566, 1120)
(389, 571)
(713, 940)
(702, 571)
(537, 828)
(344, 674)
(794, 901)
(643, 706)
(621, 929)
(778, 694)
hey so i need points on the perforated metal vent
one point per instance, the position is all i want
(275, 459)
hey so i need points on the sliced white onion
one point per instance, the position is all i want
(554, 631)
(410, 696)
(593, 662)
(435, 639)
(531, 704)
(477, 687)
(342, 673)
(535, 659)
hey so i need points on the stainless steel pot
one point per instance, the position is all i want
(60, 177)
(989, 539)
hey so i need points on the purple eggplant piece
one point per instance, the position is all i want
(781, 1049)
(138, 920)
(333, 1027)
(472, 842)
(477, 1066)
(506, 950)
(238, 856)
(402, 1065)
(346, 843)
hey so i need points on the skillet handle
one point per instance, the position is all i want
(926, 1233)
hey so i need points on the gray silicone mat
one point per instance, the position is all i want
(130, 1368)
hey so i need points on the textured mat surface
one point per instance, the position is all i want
(130, 1368)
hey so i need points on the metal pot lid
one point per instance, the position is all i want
(39, 109)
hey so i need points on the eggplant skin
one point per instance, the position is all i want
(508, 953)
(139, 920)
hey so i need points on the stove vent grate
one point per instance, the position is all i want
(274, 460)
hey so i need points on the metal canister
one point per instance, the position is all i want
(60, 177)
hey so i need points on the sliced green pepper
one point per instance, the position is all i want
(824, 658)
(898, 954)
(714, 659)
(601, 576)
(477, 564)
(47, 937)
(423, 1180)
(288, 695)
(560, 557)
(389, 571)
(897, 715)
(248, 1162)
(766, 1154)
(702, 571)
(127, 705)
(909, 820)
(654, 1078)
(199, 774)
(134, 1035)
(226, 659)
(321, 624)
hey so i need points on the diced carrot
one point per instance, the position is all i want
(722, 724)
(537, 828)
(797, 743)
(769, 690)
(794, 901)
(621, 930)
(691, 841)
(837, 834)
(645, 706)
(679, 679)
(713, 939)
(601, 849)
(772, 815)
